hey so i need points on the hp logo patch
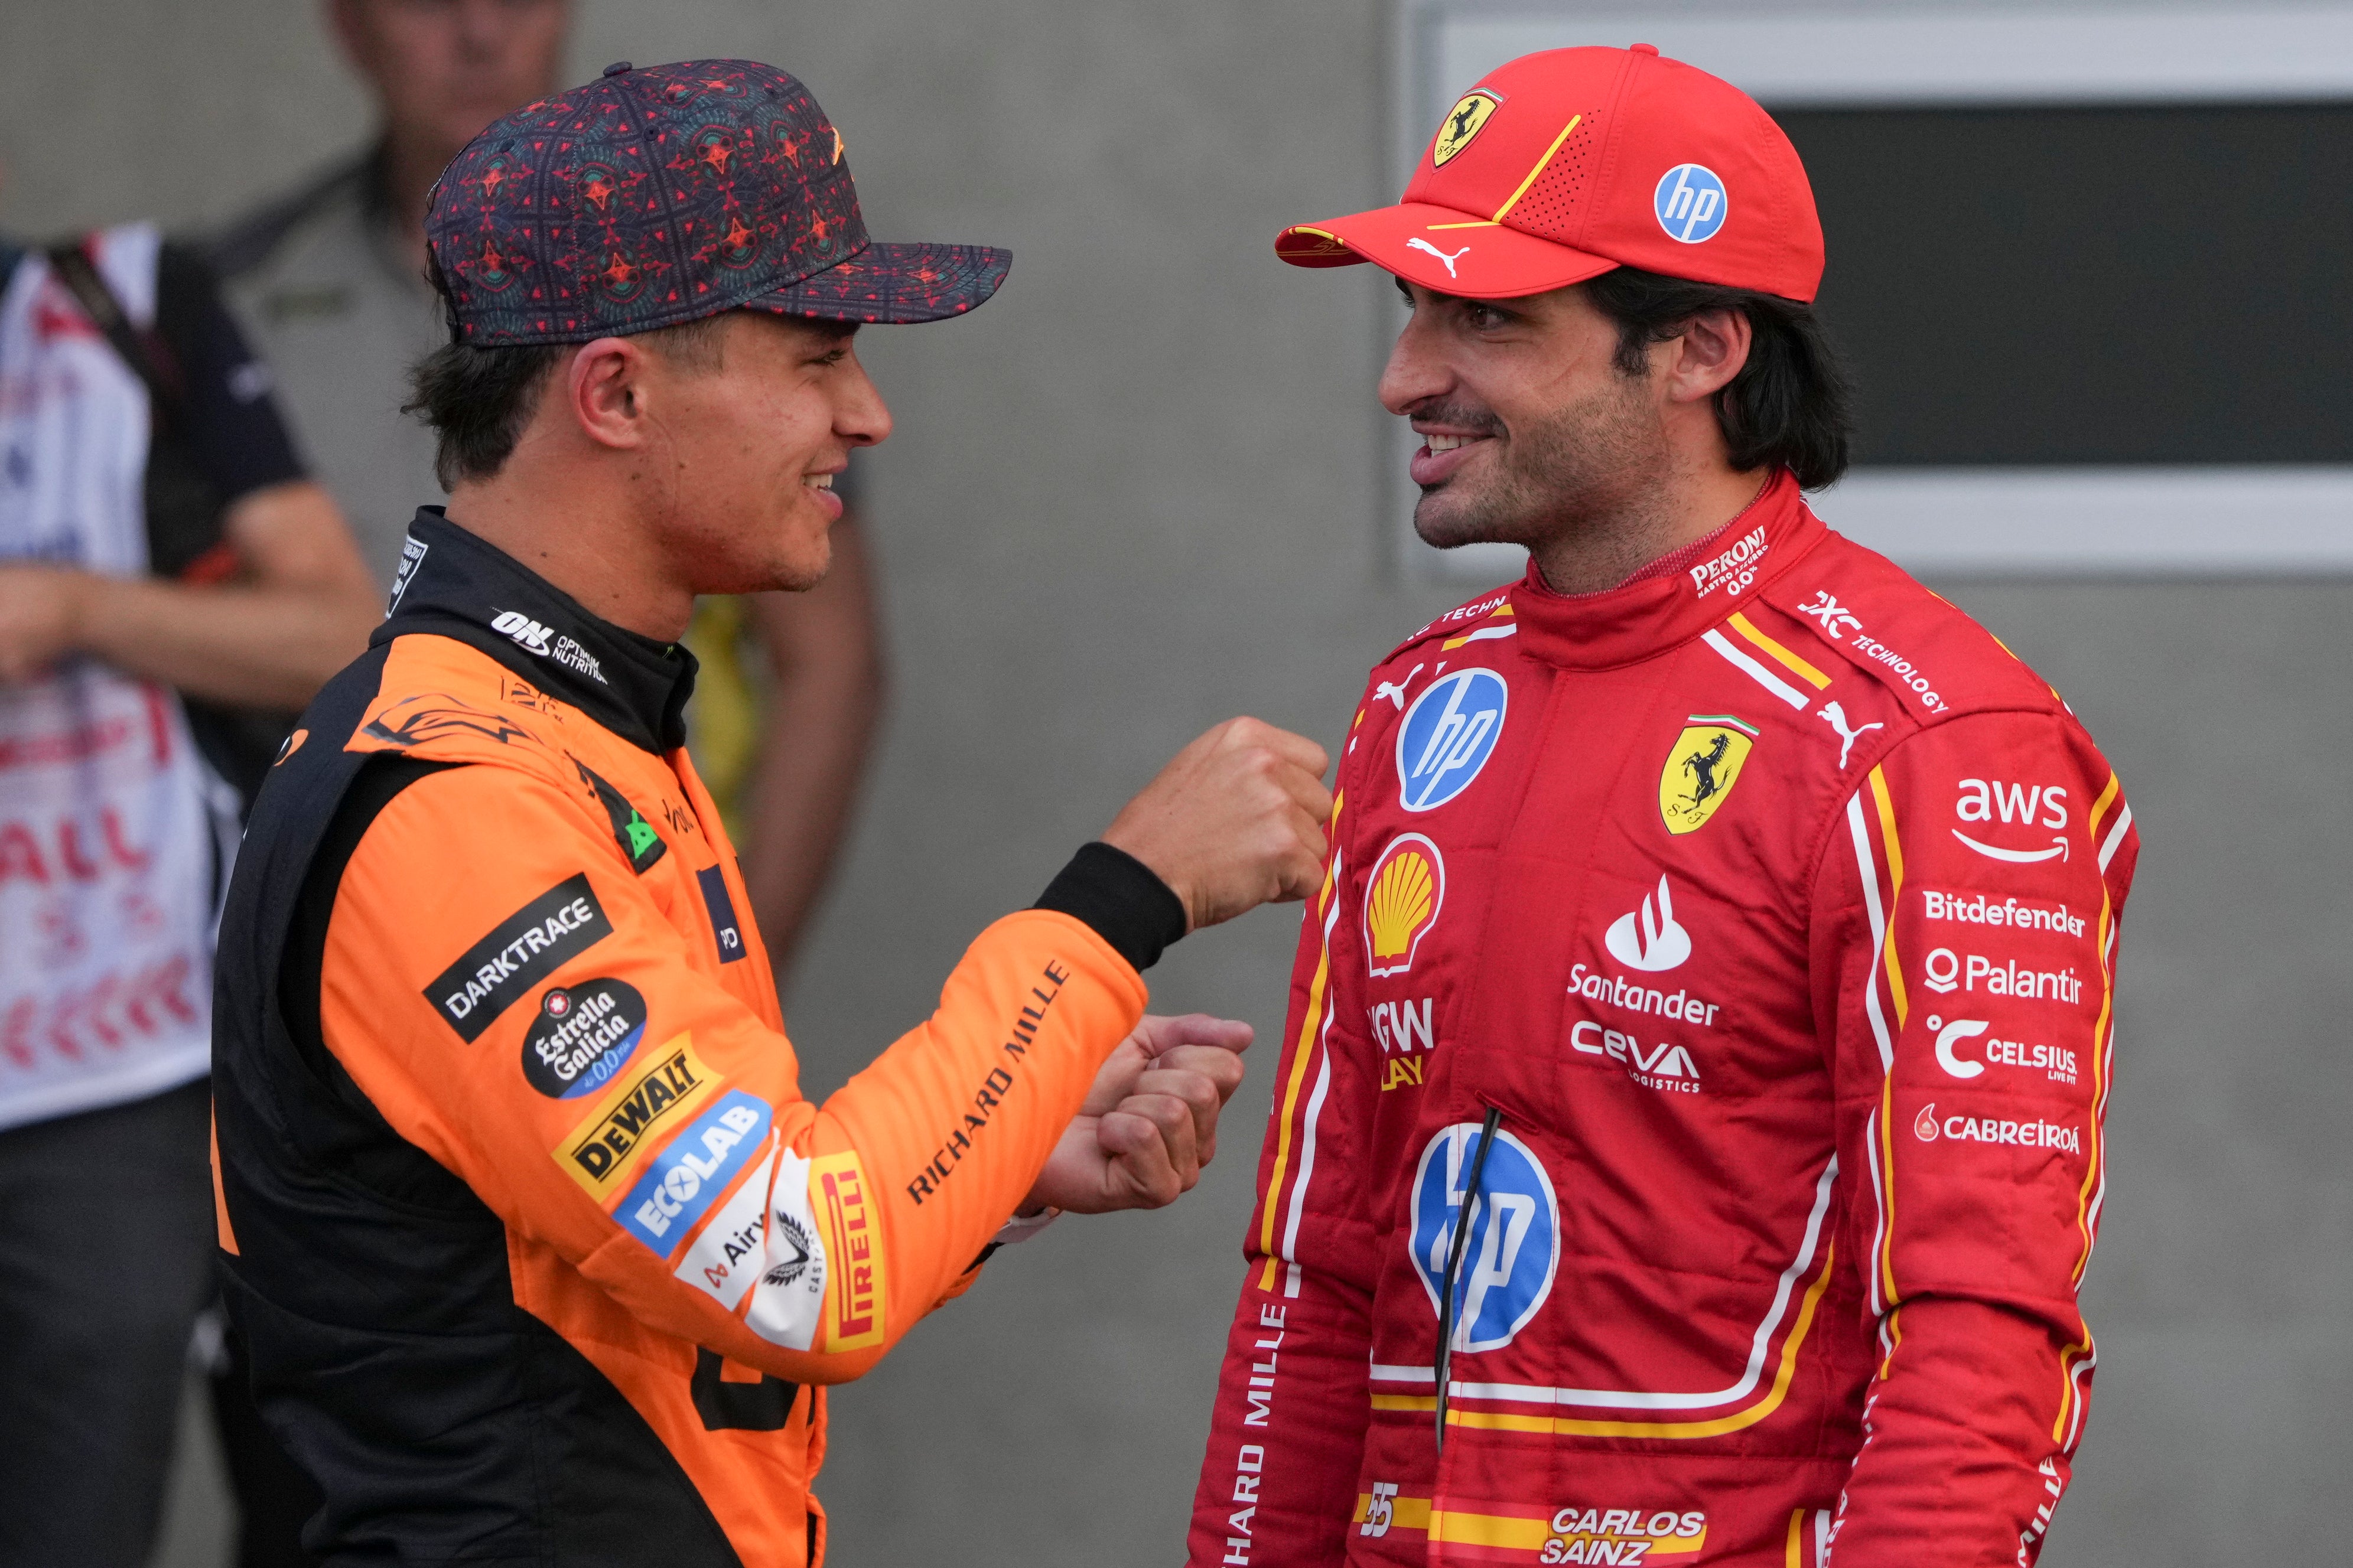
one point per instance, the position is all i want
(1514, 1243)
(1447, 737)
(1690, 203)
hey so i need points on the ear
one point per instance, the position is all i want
(605, 386)
(1712, 349)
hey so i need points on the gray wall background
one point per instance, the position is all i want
(1141, 492)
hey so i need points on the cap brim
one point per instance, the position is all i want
(897, 283)
(1443, 249)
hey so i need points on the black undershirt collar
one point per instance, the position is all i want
(454, 585)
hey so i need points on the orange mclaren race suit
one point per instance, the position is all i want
(1739, 944)
(539, 1252)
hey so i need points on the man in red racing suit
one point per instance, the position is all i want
(1737, 945)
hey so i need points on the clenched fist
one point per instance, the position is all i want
(1150, 1122)
(1234, 821)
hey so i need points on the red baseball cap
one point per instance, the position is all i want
(1561, 165)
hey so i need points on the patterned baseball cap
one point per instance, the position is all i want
(651, 197)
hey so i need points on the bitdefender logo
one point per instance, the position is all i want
(1657, 943)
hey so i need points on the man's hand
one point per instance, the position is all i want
(1235, 821)
(1150, 1123)
(41, 610)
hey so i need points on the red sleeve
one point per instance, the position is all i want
(1967, 946)
(1279, 1483)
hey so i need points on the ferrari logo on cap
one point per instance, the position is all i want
(1701, 768)
(1463, 122)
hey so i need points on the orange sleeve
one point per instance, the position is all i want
(826, 1231)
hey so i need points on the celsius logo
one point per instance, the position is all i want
(1513, 1246)
(1690, 203)
(1448, 735)
(1403, 898)
(1952, 1034)
(1657, 944)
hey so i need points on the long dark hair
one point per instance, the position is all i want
(1788, 405)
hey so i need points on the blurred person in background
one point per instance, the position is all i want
(172, 588)
(1709, 1012)
(329, 281)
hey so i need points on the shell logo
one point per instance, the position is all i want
(1402, 898)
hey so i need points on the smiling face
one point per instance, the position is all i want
(1531, 432)
(741, 447)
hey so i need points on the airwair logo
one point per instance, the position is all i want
(1701, 768)
(598, 1151)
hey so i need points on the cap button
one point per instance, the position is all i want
(618, 67)
(1638, 49)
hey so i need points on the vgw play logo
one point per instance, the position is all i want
(1514, 1245)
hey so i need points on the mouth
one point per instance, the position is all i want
(820, 487)
(1442, 454)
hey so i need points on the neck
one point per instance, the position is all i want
(568, 523)
(1610, 543)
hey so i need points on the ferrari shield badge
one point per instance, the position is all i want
(1702, 766)
(1463, 122)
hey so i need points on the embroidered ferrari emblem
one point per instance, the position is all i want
(1701, 768)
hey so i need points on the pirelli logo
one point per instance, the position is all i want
(853, 1246)
(599, 1151)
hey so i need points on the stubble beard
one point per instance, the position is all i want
(1580, 484)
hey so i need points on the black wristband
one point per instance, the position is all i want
(1118, 895)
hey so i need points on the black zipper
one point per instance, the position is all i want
(1465, 1217)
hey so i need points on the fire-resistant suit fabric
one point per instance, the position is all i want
(538, 1249)
(1743, 938)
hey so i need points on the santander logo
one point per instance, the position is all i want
(1650, 941)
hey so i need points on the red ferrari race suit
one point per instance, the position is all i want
(1741, 943)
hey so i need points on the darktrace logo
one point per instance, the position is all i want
(519, 953)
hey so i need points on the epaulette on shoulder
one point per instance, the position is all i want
(1474, 622)
(1919, 644)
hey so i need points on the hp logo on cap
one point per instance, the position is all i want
(1690, 203)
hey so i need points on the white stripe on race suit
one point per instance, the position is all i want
(2116, 837)
(1757, 672)
(1631, 1399)
(1306, 1161)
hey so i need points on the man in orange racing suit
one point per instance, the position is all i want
(1687, 1146)
(539, 1253)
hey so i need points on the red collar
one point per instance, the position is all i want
(1653, 614)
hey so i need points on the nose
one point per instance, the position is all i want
(860, 417)
(1417, 371)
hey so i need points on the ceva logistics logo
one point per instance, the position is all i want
(1447, 737)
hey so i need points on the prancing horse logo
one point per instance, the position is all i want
(1701, 768)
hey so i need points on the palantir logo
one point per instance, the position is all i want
(1690, 203)
(1657, 944)
(1513, 1246)
(1448, 735)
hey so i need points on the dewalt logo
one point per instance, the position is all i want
(599, 1150)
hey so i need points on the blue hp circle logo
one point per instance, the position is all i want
(1513, 1246)
(1447, 737)
(1690, 203)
